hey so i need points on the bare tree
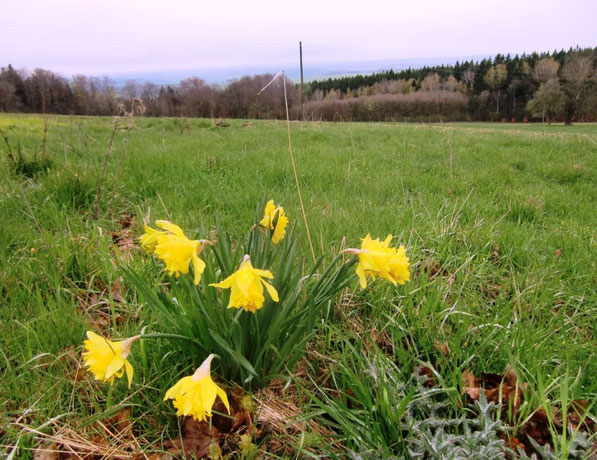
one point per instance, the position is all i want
(452, 84)
(130, 89)
(150, 94)
(81, 97)
(197, 98)
(575, 74)
(547, 101)
(468, 78)
(48, 92)
(317, 95)
(546, 69)
(431, 83)
(495, 78)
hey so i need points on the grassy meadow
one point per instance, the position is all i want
(499, 222)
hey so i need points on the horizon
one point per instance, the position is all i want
(225, 74)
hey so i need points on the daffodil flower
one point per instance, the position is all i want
(106, 359)
(376, 258)
(175, 249)
(149, 240)
(274, 218)
(195, 394)
(246, 285)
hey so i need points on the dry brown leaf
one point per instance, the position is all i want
(122, 237)
(120, 424)
(44, 452)
(498, 389)
(116, 290)
(427, 372)
(513, 442)
(126, 219)
(442, 347)
(470, 384)
(196, 439)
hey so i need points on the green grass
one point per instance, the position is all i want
(498, 219)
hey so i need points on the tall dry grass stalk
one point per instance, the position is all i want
(298, 186)
(96, 210)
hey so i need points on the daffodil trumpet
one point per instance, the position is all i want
(354, 251)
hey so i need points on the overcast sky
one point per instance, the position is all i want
(110, 36)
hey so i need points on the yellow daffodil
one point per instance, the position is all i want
(246, 286)
(196, 394)
(274, 218)
(376, 258)
(174, 248)
(149, 239)
(106, 359)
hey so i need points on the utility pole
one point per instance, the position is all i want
(302, 83)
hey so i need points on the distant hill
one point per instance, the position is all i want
(220, 75)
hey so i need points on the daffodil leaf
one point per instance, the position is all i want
(235, 354)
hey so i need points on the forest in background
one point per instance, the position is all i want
(558, 86)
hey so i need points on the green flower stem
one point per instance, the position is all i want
(109, 397)
(170, 336)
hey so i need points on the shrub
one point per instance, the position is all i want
(419, 106)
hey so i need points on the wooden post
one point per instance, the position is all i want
(302, 83)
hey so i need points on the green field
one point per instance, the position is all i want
(499, 222)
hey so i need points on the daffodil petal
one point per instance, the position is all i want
(263, 273)
(129, 371)
(362, 276)
(169, 226)
(224, 397)
(271, 291)
(224, 284)
(198, 268)
(115, 365)
(95, 338)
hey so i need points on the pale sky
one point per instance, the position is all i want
(109, 36)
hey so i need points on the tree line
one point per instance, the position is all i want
(558, 86)
(43, 91)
